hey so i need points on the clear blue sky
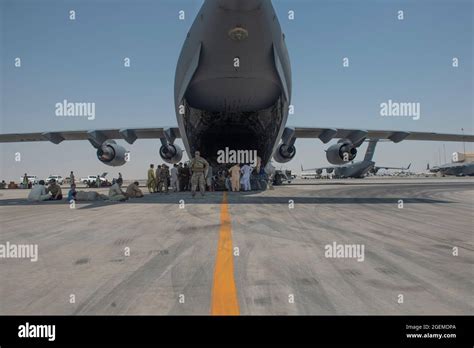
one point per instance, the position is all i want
(82, 60)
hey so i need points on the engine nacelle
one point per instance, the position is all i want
(171, 153)
(111, 154)
(342, 152)
(319, 171)
(284, 153)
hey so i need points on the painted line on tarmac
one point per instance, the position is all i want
(224, 299)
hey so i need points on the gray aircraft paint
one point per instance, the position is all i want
(240, 108)
(220, 104)
(360, 168)
(458, 169)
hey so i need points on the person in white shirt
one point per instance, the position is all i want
(270, 171)
(174, 178)
(38, 193)
(246, 170)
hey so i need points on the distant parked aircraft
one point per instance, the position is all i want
(458, 169)
(356, 169)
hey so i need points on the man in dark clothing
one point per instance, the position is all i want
(184, 175)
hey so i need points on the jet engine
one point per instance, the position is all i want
(284, 153)
(319, 171)
(329, 170)
(342, 152)
(171, 153)
(111, 154)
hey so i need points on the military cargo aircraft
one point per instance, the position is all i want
(457, 169)
(357, 169)
(232, 89)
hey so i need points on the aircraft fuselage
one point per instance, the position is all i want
(354, 170)
(233, 80)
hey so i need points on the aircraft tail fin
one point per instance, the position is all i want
(369, 154)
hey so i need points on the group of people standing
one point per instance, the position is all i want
(199, 174)
(181, 177)
(161, 179)
(239, 177)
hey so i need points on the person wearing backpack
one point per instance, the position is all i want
(199, 167)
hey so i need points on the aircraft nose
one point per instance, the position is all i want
(240, 5)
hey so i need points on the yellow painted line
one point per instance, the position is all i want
(224, 299)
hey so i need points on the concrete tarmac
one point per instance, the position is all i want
(159, 254)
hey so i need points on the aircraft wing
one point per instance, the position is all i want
(326, 134)
(94, 136)
(395, 168)
(319, 169)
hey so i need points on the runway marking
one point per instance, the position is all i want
(224, 299)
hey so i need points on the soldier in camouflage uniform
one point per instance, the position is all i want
(157, 175)
(164, 176)
(199, 167)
